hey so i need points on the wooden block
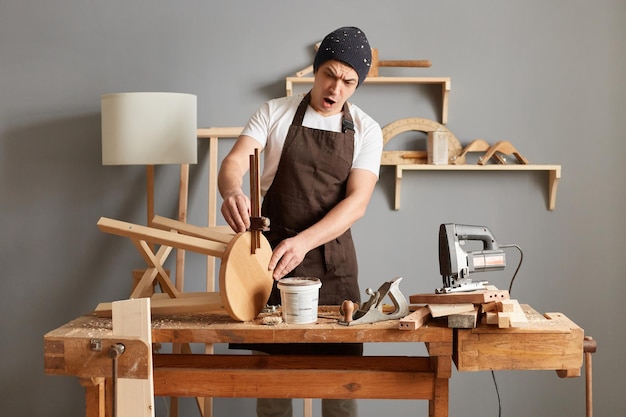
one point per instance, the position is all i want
(466, 320)
(415, 320)
(504, 321)
(506, 306)
(491, 306)
(491, 317)
(440, 310)
(474, 297)
(517, 317)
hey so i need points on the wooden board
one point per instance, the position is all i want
(186, 303)
(440, 310)
(245, 281)
(135, 397)
(474, 297)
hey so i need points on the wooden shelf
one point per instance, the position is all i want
(443, 81)
(554, 175)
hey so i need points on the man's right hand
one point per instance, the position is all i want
(236, 211)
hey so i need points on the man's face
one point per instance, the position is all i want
(335, 82)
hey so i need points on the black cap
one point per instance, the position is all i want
(348, 45)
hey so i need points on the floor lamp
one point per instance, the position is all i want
(151, 128)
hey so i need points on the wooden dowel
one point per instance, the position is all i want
(420, 63)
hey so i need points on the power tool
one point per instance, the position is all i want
(455, 264)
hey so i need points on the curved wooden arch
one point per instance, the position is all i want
(419, 124)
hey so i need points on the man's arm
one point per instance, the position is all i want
(290, 252)
(236, 205)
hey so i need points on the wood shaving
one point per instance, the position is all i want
(271, 320)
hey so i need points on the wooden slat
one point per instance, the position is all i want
(210, 233)
(186, 303)
(149, 234)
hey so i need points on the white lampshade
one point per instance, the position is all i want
(149, 128)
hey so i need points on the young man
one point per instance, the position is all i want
(321, 164)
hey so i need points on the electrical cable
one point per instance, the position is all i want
(521, 252)
(495, 384)
(493, 374)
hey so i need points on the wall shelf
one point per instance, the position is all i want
(554, 175)
(443, 81)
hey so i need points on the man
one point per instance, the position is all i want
(321, 164)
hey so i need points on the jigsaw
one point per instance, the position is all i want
(455, 264)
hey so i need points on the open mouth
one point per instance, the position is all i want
(329, 101)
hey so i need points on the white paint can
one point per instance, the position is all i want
(299, 298)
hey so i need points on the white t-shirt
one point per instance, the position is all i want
(270, 123)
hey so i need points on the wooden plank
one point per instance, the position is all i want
(134, 397)
(309, 377)
(440, 310)
(474, 297)
(415, 319)
(186, 303)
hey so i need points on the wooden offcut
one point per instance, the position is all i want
(134, 397)
(416, 319)
(440, 310)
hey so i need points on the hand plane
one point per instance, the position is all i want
(372, 310)
(455, 264)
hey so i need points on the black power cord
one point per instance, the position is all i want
(493, 374)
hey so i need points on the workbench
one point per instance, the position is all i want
(78, 348)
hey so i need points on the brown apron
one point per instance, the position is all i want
(311, 179)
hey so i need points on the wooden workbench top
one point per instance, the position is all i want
(218, 327)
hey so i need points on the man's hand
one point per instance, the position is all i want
(287, 256)
(236, 211)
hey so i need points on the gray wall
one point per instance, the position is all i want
(547, 76)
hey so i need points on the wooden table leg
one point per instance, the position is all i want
(442, 367)
(438, 406)
(94, 396)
